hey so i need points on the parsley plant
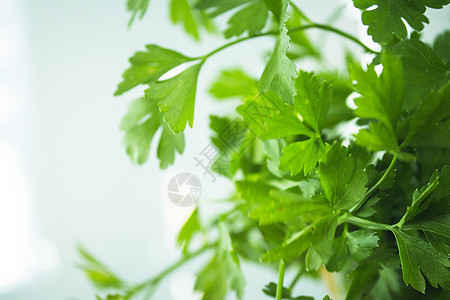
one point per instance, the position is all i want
(374, 208)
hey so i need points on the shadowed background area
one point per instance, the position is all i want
(64, 175)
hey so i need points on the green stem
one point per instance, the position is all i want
(366, 224)
(152, 282)
(430, 188)
(376, 186)
(294, 29)
(280, 280)
(338, 32)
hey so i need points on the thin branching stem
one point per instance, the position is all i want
(375, 186)
(366, 224)
(430, 188)
(280, 280)
(293, 29)
(152, 282)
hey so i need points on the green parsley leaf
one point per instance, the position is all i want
(148, 66)
(222, 272)
(280, 72)
(319, 236)
(313, 261)
(441, 46)
(361, 242)
(269, 117)
(278, 8)
(140, 125)
(422, 198)
(381, 97)
(340, 254)
(382, 100)
(176, 98)
(430, 124)
(376, 278)
(300, 156)
(431, 212)
(312, 100)
(378, 138)
(422, 71)
(231, 261)
(212, 280)
(169, 143)
(436, 223)
(440, 243)
(386, 285)
(268, 205)
(252, 18)
(231, 141)
(430, 159)
(273, 149)
(343, 185)
(368, 210)
(294, 208)
(419, 259)
(386, 20)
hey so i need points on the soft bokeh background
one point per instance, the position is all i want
(64, 175)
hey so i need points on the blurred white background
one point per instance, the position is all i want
(64, 175)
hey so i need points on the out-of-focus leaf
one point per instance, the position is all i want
(140, 125)
(234, 83)
(188, 231)
(183, 12)
(441, 46)
(98, 273)
(430, 124)
(137, 7)
(422, 71)
(251, 19)
(223, 272)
